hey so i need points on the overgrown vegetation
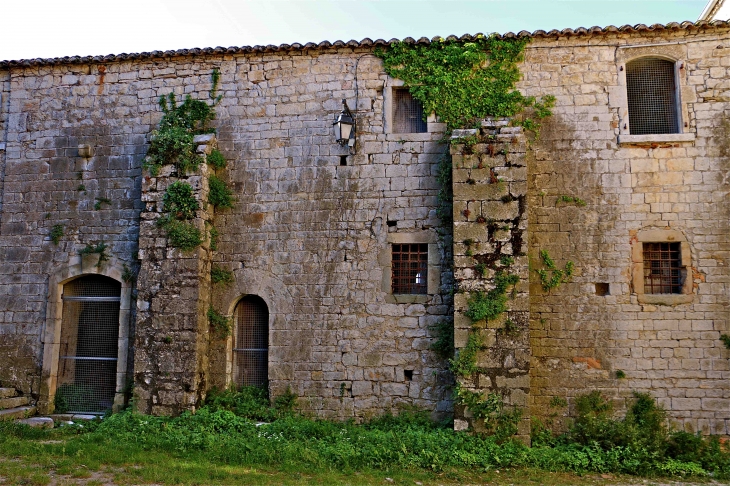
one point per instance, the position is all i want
(216, 160)
(491, 304)
(443, 344)
(464, 82)
(725, 340)
(640, 443)
(571, 200)
(219, 275)
(219, 194)
(56, 233)
(220, 324)
(100, 201)
(172, 142)
(180, 204)
(180, 201)
(98, 249)
(552, 276)
(226, 433)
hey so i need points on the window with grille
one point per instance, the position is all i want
(407, 113)
(662, 268)
(410, 268)
(251, 348)
(651, 89)
(87, 374)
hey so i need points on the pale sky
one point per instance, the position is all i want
(57, 28)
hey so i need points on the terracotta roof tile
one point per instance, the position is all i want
(581, 31)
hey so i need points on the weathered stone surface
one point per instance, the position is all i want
(311, 236)
(38, 422)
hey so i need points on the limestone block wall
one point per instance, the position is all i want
(586, 331)
(312, 229)
(46, 113)
(171, 346)
(490, 239)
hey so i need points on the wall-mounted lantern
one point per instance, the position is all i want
(345, 126)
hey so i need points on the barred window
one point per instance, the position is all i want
(662, 268)
(410, 268)
(251, 348)
(407, 113)
(651, 89)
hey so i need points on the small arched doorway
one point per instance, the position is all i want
(251, 342)
(87, 364)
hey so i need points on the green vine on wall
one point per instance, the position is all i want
(465, 82)
(220, 324)
(56, 233)
(551, 277)
(98, 249)
(180, 205)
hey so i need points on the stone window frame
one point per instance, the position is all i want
(79, 267)
(432, 125)
(637, 266)
(618, 97)
(433, 277)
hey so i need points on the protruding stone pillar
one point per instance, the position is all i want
(171, 341)
(490, 238)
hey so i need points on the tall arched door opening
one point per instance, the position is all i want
(87, 360)
(251, 342)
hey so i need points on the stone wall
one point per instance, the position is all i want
(310, 233)
(312, 228)
(490, 242)
(586, 331)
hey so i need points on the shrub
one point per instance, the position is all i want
(219, 194)
(180, 201)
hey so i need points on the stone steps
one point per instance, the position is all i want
(14, 407)
(17, 413)
(13, 402)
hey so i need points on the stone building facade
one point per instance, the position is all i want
(311, 238)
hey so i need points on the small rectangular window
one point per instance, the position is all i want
(407, 113)
(662, 268)
(409, 268)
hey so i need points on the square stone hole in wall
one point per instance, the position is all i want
(408, 375)
(602, 289)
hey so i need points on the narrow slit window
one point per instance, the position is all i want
(251, 350)
(408, 113)
(662, 268)
(410, 268)
(651, 89)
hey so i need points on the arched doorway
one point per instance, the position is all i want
(87, 364)
(251, 342)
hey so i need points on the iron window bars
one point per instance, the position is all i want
(662, 268)
(410, 268)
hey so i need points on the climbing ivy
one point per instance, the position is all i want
(491, 304)
(551, 277)
(172, 142)
(99, 249)
(220, 324)
(464, 82)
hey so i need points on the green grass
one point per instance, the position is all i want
(217, 446)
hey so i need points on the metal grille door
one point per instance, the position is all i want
(652, 96)
(410, 267)
(251, 351)
(662, 271)
(408, 113)
(87, 374)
